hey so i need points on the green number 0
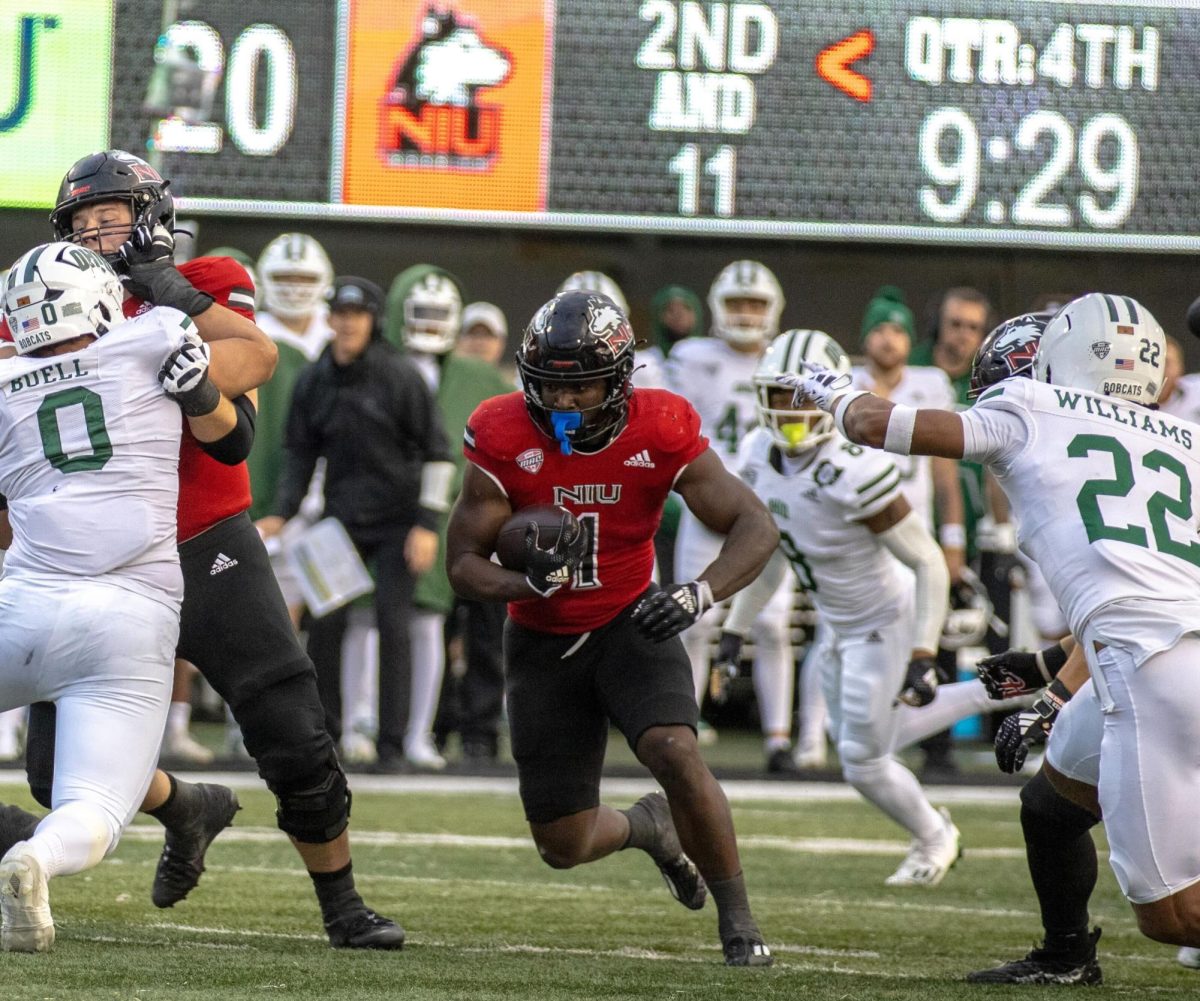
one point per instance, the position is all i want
(1157, 507)
(800, 565)
(93, 418)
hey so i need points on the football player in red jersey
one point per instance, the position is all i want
(589, 639)
(234, 625)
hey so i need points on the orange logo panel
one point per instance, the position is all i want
(445, 104)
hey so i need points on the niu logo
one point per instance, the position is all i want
(432, 116)
(26, 62)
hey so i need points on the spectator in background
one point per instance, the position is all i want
(484, 333)
(963, 319)
(425, 317)
(366, 410)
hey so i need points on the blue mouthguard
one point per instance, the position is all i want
(564, 421)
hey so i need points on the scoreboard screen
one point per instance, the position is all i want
(1039, 124)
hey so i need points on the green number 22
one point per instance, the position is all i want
(1158, 507)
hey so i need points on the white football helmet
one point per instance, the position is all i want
(1108, 344)
(58, 291)
(796, 429)
(745, 280)
(970, 613)
(596, 281)
(294, 255)
(432, 314)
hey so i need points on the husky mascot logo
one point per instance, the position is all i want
(432, 117)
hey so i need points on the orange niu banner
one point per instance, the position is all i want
(445, 105)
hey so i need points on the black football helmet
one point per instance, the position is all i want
(578, 336)
(113, 174)
(1008, 350)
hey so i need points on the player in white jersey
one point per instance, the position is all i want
(716, 375)
(89, 603)
(1102, 489)
(842, 517)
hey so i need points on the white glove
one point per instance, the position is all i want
(821, 385)
(184, 377)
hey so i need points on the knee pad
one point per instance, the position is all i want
(1046, 813)
(867, 772)
(315, 809)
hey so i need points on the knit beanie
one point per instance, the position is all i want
(888, 307)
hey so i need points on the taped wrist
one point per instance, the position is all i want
(200, 401)
(898, 437)
(842, 405)
(1050, 661)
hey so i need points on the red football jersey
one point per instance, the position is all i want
(209, 491)
(617, 494)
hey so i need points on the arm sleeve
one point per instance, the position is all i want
(235, 446)
(753, 598)
(910, 542)
(300, 453)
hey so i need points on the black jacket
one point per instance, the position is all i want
(376, 423)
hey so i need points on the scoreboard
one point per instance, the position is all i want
(1020, 124)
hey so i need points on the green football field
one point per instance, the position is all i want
(487, 919)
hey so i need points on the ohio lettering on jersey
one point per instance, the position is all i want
(619, 503)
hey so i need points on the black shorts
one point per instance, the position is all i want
(234, 625)
(560, 706)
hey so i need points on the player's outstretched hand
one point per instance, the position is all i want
(664, 614)
(820, 384)
(920, 682)
(184, 378)
(1015, 672)
(1020, 731)
(724, 666)
(546, 570)
(151, 275)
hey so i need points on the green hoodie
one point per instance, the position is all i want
(464, 383)
(658, 333)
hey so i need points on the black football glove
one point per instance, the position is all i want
(1014, 673)
(724, 666)
(1020, 731)
(664, 614)
(920, 682)
(546, 570)
(184, 378)
(151, 275)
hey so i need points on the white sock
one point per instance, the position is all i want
(360, 672)
(428, 663)
(814, 717)
(697, 642)
(179, 717)
(891, 787)
(773, 681)
(72, 837)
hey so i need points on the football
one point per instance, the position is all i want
(510, 543)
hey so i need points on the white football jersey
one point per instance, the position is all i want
(311, 343)
(925, 387)
(819, 508)
(1185, 402)
(719, 382)
(1104, 495)
(89, 459)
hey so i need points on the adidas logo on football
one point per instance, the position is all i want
(642, 460)
(222, 562)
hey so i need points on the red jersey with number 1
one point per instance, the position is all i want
(209, 491)
(617, 494)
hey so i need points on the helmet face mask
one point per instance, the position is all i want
(1106, 344)
(296, 276)
(57, 292)
(575, 339)
(432, 315)
(1008, 351)
(112, 175)
(795, 427)
(746, 302)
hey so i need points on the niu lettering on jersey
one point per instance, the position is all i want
(617, 494)
(209, 491)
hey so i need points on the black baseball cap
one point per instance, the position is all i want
(350, 292)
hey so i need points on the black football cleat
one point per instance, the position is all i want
(15, 825)
(362, 928)
(182, 861)
(781, 762)
(680, 874)
(746, 949)
(1042, 967)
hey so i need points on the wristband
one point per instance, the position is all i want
(841, 405)
(901, 423)
(1050, 661)
(952, 536)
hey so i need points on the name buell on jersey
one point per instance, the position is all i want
(75, 431)
(819, 501)
(1102, 492)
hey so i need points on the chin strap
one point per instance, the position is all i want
(564, 422)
